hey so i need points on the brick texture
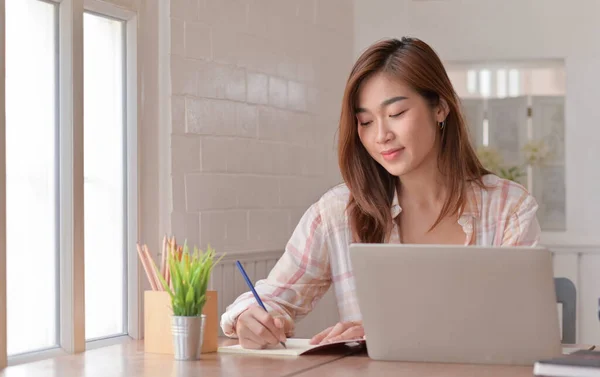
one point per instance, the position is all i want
(256, 90)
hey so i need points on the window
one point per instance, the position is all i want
(501, 83)
(515, 114)
(472, 81)
(31, 176)
(70, 138)
(485, 84)
(493, 80)
(513, 83)
(104, 172)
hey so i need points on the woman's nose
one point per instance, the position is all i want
(383, 132)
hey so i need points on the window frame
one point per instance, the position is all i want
(3, 327)
(28, 355)
(108, 11)
(70, 154)
(130, 19)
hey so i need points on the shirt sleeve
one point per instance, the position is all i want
(523, 228)
(299, 279)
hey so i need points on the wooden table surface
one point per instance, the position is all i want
(129, 360)
(361, 365)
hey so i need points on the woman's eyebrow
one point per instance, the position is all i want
(387, 102)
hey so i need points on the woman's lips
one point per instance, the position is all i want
(391, 154)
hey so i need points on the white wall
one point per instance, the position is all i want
(127, 4)
(475, 30)
(255, 90)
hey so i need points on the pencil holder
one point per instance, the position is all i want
(158, 337)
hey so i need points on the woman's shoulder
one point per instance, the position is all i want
(332, 204)
(500, 194)
(334, 198)
(328, 213)
(337, 193)
(496, 185)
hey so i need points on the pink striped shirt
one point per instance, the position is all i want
(316, 256)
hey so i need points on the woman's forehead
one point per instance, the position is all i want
(379, 89)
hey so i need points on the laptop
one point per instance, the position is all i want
(457, 304)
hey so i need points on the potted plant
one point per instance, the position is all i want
(536, 152)
(189, 276)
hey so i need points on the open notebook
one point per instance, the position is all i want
(570, 348)
(295, 347)
(298, 347)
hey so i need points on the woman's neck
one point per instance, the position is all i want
(422, 188)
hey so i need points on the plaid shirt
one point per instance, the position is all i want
(316, 256)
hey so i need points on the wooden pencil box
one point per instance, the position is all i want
(157, 323)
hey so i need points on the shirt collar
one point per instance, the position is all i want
(472, 201)
(395, 208)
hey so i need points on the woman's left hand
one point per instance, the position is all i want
(341, 331)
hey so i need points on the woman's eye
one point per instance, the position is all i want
(397, 115)
(365, 123)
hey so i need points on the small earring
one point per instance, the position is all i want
(442, 124)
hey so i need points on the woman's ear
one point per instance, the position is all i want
(442, 110)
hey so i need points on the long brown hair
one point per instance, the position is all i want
(371, 186)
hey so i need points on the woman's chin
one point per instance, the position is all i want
(397, 169)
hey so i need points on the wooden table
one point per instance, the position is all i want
(129, 360)
(361, 365)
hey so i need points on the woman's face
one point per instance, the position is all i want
(396, 125)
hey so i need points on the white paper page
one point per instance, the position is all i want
(294, 348)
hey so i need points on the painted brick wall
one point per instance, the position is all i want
(256, 89)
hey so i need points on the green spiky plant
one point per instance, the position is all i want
(189, 279)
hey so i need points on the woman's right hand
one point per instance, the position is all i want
(257, 329)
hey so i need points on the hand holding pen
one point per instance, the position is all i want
(256, 328)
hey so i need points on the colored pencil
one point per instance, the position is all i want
(147, 267)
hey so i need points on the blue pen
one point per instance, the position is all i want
(239, 265)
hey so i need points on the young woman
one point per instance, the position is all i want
(411, 176)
